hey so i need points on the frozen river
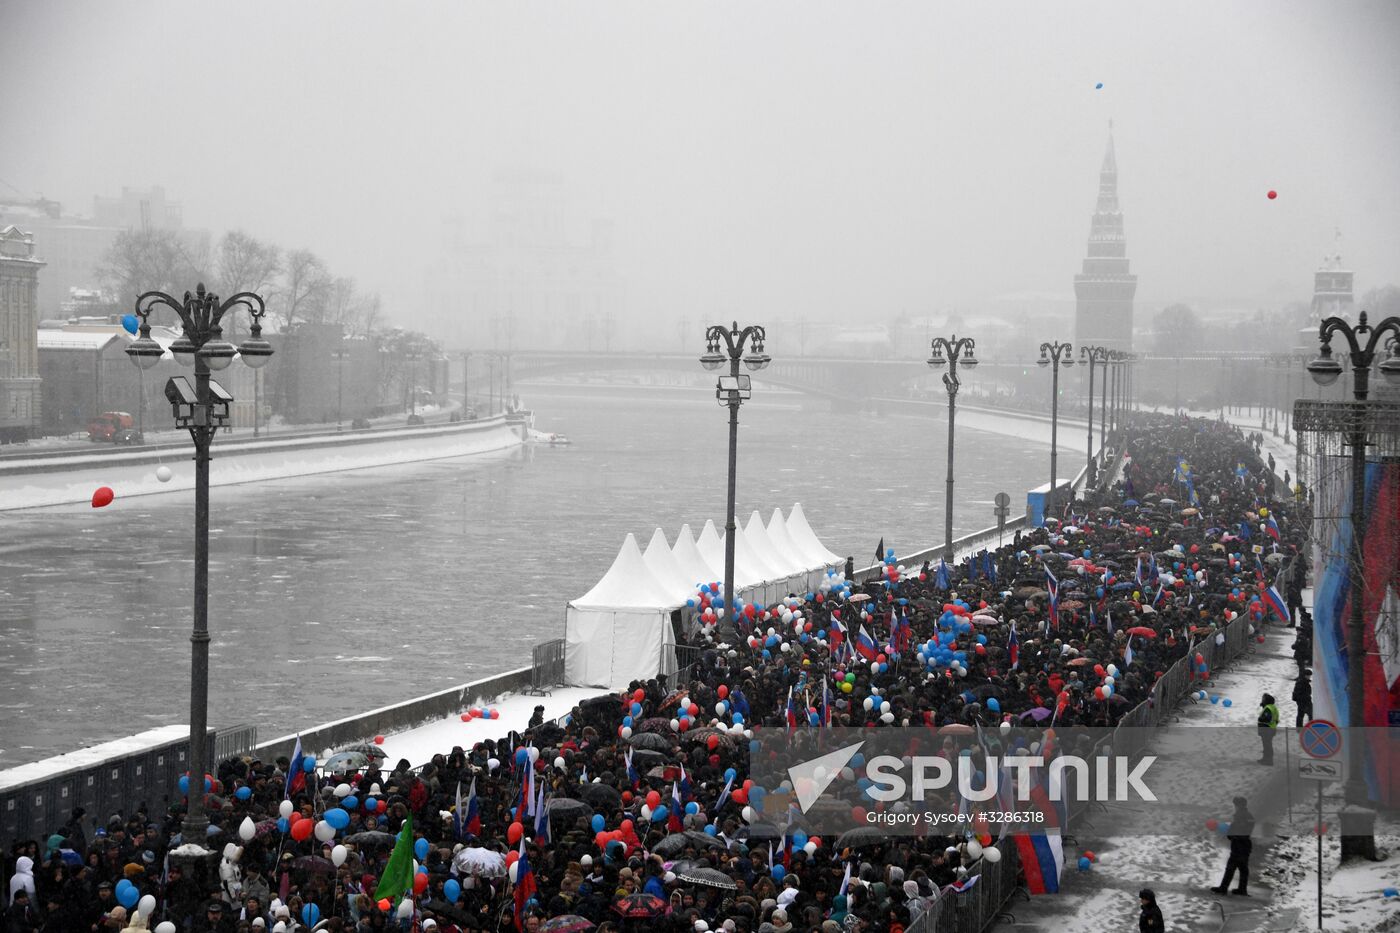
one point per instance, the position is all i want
(338, 593)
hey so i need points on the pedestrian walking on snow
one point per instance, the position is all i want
(1302, 697)
(1241, 826)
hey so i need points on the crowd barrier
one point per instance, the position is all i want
(546, 666)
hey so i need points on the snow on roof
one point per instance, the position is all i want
(75, 340)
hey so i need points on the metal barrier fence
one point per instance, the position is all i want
(234, 741)
(547, 666)
(687, 656)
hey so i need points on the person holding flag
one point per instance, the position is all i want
(525, 886)
(1013, 648)
(397, 880)
(1052, 586)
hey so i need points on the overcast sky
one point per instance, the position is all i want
(770, 159)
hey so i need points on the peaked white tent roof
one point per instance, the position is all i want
(711, 547)
(806, 539)
(629, 583)
(782, 542)
(663, 567)
(783, 561)
(754, 561)
(690, 561)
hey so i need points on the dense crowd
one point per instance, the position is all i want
(1189, 536)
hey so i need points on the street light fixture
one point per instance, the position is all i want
(340, 356)
(1054, 354)
(1093, 355)
(951, 351)
(721, 344)
(1325, 371)
(202, 409)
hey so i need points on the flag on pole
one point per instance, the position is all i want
(541, 818)
(880, 552)
(940, 579)
(1052, 586)
(525, 887)
(397, 879)
(1013, 648)
(296, 776)
(724, 794)
(791, 712)
(1271, 527)
(1128, 653)
(673, 819)
(865, 645)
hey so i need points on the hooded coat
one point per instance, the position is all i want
(24, 878)
(1150, 919)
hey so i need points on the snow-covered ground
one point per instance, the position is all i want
(421, 744)
(1181, 867)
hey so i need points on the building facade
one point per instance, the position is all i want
(21, 404)
(1104, 288)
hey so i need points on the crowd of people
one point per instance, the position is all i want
(1187, 537)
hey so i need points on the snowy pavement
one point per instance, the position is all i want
(1181, 867)
(421, 744)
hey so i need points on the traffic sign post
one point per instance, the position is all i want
(1322, 762)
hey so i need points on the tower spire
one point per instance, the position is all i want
(1105, 288)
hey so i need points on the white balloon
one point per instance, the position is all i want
(974, 850)
(747, 814)
(146, 906)
(284, 809)
(406, 907)
(324, 831)
(719, 708)
(991, 854)
(342, 790)
(810, 848)
(626, 734)
(1005, 728)
(492, 764)
(163, 474)
(869, 704)
(514, 872)
(646, 812)
(237, 854)
(559, 762)
(246, 829)
(675, 725)
(887, 718)
(534, 754)
(229, 850)
(165, 926)
(339, 855)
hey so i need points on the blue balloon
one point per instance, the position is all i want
(710, 829)
(598, 822)
(1215, 699)
(778, 872)
(128, 896)
(690, 604)
(350, 802)
(1390, 892)
(130, 322)
(420, 849)
(1084, 863)
(371, 804)
(1226, 702)
(123, 885)
(799, 839)
(184, 784)
(243, 793)
(993, 704)
(337, 817)
(522, 755)
(659, 814)
(283, 825)
(636, 709)
(730, 774)
(452, 890)
(308, 763)
(692, 808)
(311, 915)
(627, 720)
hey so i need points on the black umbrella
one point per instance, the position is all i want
(601, 796)
(710, 877)
(568, 808)
(650, 741)
(644, 755)
(861, 836)
(676, 843)
(764, 831)
(372, 837)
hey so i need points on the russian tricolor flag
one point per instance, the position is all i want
(1013, 648)
(865, 645)
(1273, 599)
(1042, 861)
(791, 712)
(1271, 527)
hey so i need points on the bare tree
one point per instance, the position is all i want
(154, 260)
(244, 263)
(1176, 328)
(305, 288)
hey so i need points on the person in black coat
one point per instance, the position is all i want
(1241, 826)
(1150, 920)
(1302, 696)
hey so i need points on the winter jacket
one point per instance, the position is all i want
(23, 878)
(1268, 713)
(1150, 920)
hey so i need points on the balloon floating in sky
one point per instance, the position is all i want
(130, 323)
(163, 474)
(102, 497)
(1272, 195)
(1099, 86)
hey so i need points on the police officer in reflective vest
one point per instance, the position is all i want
(1268, 724)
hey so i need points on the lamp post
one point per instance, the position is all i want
(1092, 355)
(723, 344)
(203, 410)
(951, 350)
(413, 355)
(339, 356)
(1054, 354)
(1325, 370)
(466, 383)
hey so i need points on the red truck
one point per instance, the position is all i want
(108, 425)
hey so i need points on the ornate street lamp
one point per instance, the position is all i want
(723, 344)
(202, 409)
(1092, 355)
(1325, 371)
(952, 351)
(1054, 354)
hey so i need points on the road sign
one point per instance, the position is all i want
(1322, 769)
(1320, 739)
(1001, 500)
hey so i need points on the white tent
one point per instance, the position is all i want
(710, 544)
(663, 566)
(688, 558)
(807, 542)
(758, 580)
(782, 542)
(789, 573)
(620, 630)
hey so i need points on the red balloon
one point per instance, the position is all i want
(638, 695)
(653, 799)
(684, 724)
(384, 904)
(302, 829)
(383, 805)
(723, 691)
(712, 742)
(1272, 195)
(102, 497)
(628, 828)
(514, 832)
(466, 717)
(740, 796)
(1098, 693)
(1090, 856)
(858, 814)
(1212, 825)
(379, 740)
(601, 840)
(420, 883)
(511, 858)
(693, 710)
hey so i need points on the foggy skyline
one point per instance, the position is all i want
(768, 161)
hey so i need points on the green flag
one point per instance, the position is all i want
(397, 879)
